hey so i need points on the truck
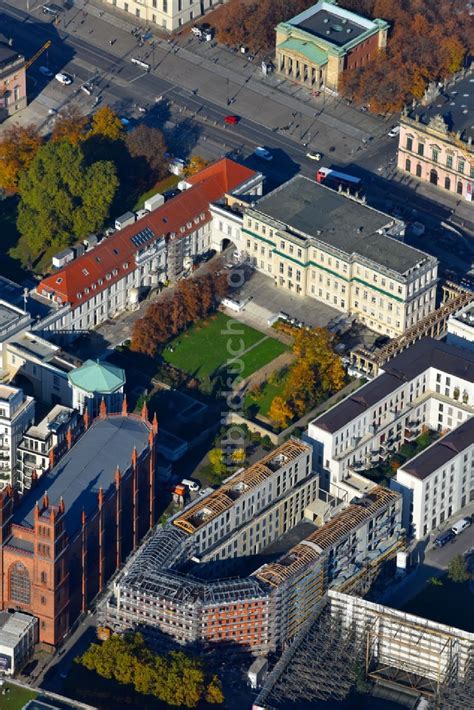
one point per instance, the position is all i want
(461, 525)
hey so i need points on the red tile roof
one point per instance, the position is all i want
(114, 257)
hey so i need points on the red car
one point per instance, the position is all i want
(232, 120)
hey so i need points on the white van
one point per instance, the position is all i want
(192, 485)
(461, 525)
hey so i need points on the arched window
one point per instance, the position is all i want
(20, 586)
(418, 170)
(433, 177)
(408, 165)
(459, 188)
(447, 183)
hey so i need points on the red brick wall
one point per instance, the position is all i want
(361, 54)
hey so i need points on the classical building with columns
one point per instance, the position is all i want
(63, 539)
(436, 139)
(317, 46)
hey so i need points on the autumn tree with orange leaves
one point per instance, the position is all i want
(317, 373)
(18, 147)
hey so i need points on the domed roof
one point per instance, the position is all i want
(98, 377)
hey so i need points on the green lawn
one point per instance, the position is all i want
(451, 604)
(203, 349)
(270, 390)
(16, 698)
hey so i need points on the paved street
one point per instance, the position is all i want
(200, 80)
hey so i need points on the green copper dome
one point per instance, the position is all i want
(100, 377)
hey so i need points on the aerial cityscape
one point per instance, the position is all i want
(236, 354)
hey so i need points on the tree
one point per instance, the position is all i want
(216, 459)
(70, 125)
(18, 147)
(214, 694)
(176, 679)
(63, 199)
(239, 456)
(457, 569)
(107, 124)
(280, 412)
(148, 143)
(195, 165)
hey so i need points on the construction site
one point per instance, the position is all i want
(171, 590)
(349, 641)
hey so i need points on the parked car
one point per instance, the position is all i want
(45, 71)
(51, 9)
(314, 156)
(232, 120)
(87, 88)
(263, 153)
(394, 132)
(444, 538)
(192, 485)
(461, 525)
(64, 78)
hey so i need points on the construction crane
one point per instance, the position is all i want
(40, 51)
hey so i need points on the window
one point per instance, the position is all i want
(449, 161)
(20, 585)
(447, 183)
(409, 143)
(418, 171)
(434, 155)
(461, 166)
(421, 148)
(408, 165)
(165, 5)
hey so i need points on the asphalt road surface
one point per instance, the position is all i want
(193, 103)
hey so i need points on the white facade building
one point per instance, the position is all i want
(430, 385)
(168, 15)
(439, 481)
(17, 413)
(461, 327)
(159, 247)
(18, 635)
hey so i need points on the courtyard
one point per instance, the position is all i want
(217, 343)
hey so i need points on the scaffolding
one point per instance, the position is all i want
(433, 325)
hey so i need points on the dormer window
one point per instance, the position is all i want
(79, 295)
(100, 282)
(108, 277)
(189, 225)
(86, 290)
(85, 272)
(59, 280)
(125, 265)
(94, 286)
(114, 272)
(182, 229)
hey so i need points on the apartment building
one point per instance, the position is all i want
(12, 79)
(167, 591)
(435, 142)
(317, 46)
(439, 481)
(431, 384)
(106, 280)
(246, 503)
(168, 15)
(461, 327)
(17, 413)
(313, 241)
(44, 442)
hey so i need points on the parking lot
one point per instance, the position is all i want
(267, 300)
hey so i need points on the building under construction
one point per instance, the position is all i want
(162, 592)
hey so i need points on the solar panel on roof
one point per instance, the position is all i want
(141, 237)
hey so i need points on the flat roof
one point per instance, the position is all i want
(330, 26)
(57, 417)
(323, 214)
(425, 353)
(441, 452)
(455, 106)
(88, 466)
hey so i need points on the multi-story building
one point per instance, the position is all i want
(172, 588)
(156, 248)
(95, 382)
(254, 507)
(313, 241)
(436, 140)
(317, 46)
(63, 539)
(169, 15)
(461, 327)
(12, 80)
(439, 481)
(429, 385)
(34, 450)
(17, 413)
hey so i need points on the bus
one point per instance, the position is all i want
(333, 179)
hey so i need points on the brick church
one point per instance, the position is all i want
(62, 541)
